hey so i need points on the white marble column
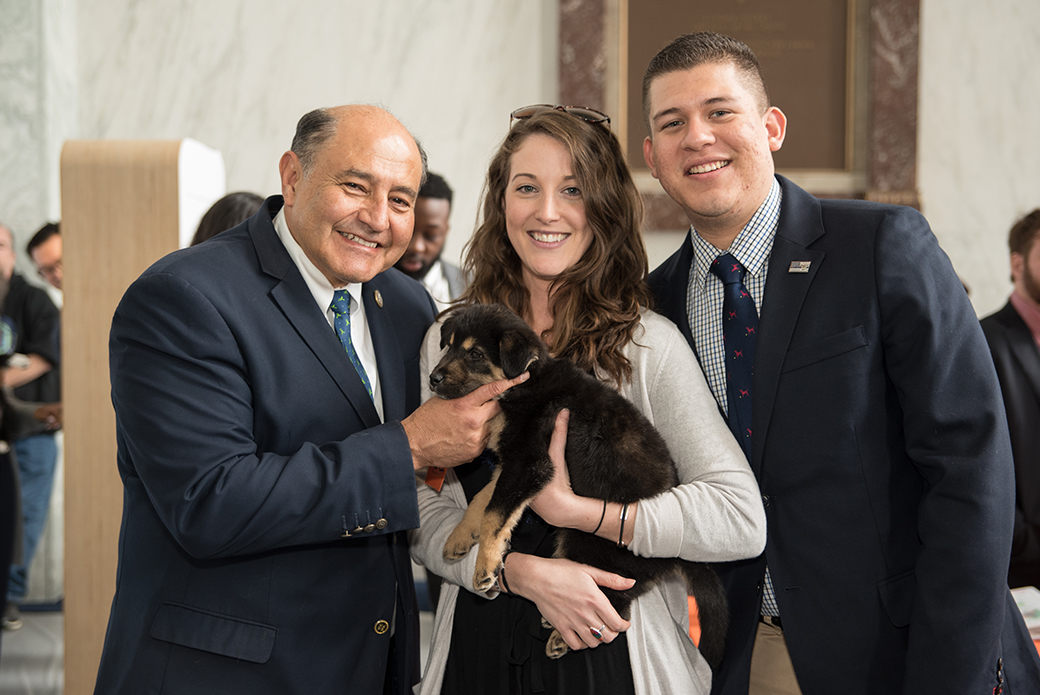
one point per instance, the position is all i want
(38, 112)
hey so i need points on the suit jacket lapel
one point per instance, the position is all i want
(671, 295)
(388, 352)
(292, 296)
(800, 225)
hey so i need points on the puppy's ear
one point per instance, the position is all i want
(516, 352)
(447, 330)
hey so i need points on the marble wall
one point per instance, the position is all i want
(237, 74)
(978, 140)
(236, 78)
(38, 110)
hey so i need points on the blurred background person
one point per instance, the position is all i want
(1013, 334)
(33, 375)
(232, 209)
(44, 248)
(422, 261)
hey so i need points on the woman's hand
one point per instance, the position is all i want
(556, 503)
(568, 595)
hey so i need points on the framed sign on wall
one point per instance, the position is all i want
(844, 72)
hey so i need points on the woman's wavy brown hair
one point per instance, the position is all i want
(596, 302)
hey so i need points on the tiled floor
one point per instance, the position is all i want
(31, 659)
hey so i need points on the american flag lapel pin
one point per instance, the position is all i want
(799, 267)
(379, 299)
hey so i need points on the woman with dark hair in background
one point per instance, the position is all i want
(232, 209)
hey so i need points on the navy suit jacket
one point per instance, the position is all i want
(248, 449)
(879, 443)
(1017, 360)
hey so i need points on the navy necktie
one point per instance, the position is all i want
(341, 310)
(739, 324)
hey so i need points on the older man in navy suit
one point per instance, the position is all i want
(266, 389)
(848, 360)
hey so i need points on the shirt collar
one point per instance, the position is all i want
(317, 283)
(751, 247)
(434, 275)
(1029, 313)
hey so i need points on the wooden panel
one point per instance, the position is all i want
(119, 215)
(803, 49)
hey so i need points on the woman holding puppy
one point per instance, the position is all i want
(560, 244)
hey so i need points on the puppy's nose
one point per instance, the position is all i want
(435, 379)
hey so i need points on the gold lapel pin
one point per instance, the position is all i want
(799, 267)
(379, 299)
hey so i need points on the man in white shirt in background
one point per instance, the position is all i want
(422, 261)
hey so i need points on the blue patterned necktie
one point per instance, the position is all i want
(739, 328)
(341, 309)
(739, 324)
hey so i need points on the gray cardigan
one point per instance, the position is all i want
(714, 515)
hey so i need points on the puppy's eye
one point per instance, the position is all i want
(475, 354)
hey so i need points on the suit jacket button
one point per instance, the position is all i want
(765, 500)
(370, 528)
(381, 524)
(381, 627)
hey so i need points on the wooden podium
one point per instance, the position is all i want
(123, 207)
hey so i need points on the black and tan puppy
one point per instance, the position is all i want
(613, 453)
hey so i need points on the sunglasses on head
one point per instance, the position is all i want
(586, 114)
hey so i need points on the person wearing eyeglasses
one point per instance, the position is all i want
(559, 243)
(44, 248)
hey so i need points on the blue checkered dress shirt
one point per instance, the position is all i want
(704, 305)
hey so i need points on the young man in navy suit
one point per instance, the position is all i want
(1013, 334)
(875, 424)
(266, 389)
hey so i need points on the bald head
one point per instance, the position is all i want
(349, 187)
(316, 128)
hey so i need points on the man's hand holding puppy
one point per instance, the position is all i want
(448, 433)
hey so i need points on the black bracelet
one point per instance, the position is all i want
(502, 573)
(621, 533)
(502, 581)
(601, 517)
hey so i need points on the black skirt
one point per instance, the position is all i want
(498, 647)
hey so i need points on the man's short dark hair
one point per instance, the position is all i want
(1024, 232)
(690, 50)
(436, 187)
(319, 126)
(315, 129)
(45, 232)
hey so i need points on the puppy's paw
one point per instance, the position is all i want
(556, 647)
(458, 544)
(482, 579)
(546, 624)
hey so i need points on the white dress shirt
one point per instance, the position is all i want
(323, 290)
